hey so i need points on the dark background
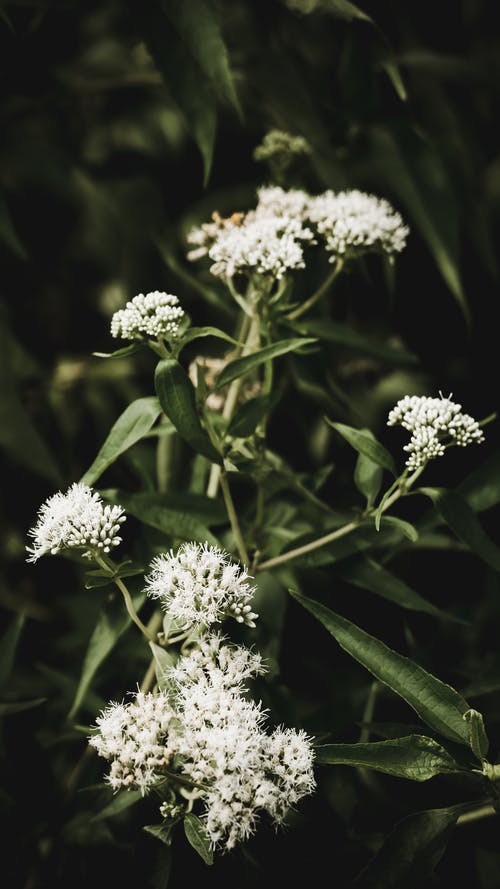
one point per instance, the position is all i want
(103, 112)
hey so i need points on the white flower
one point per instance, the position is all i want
(76, 520)
(200, 585)
(430, 420)
(155, 315)
(353, 222)
(276, 201)
(134, 737)
(266, 245)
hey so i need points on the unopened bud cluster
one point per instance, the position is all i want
(200, 585)
(431, 421)
(155, 315)
(280, 144)
(76, 520)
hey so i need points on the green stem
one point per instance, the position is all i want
(233, 518)
(476, 815)
(165, 452)
(327, 283)
(109, 565)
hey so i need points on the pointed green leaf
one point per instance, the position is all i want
(370, 575)
(481, 488)
(368, 475)
(345, 10)
(198, 837)
(407, 529)
(415, 757)
(163, 663)
(111, 624)
(6, 709)
(248, 417)
(437, 704)
(411, 852)
(241, 366)
(478, 738)
(459, 516)
(135, 422)
(162, 832)
(196, 333)
(121, 353)
(177, 398)
(154, 510)
(8, 646)
(119, 804)
(365, 443)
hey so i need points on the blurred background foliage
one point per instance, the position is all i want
(120, 126)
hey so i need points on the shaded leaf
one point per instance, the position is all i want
(415, 757)
(365, 443)
(6, 709)
(162, 832)
(8, 233)
(198, 837)
(241, 366)
(407, 529)
(248, 417)
(459, 516)
(437, 704)
(196, 333)
(481, 488)
(368, 476)
(8, 647)
(120, 803)
(370, 575)
(132, 425)
(163, 663)
(177, 398)
(153, 510)
(343, 335)
(410, 852)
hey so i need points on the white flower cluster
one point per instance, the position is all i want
(353, 222)
(218, 740)
(266, 245)
(134, 737)
(269, 240)
(430, 420)
(199, 585)
(154, 315)
(77, 520)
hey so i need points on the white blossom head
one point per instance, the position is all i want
(200, 585)
(77, 520)
(353, 222)
(204, 236)
(435, 424)
(276, 201)
(264, 245)
(134, 738)
(155, 315)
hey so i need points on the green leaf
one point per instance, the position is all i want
(345, 10)
(18, 706)
(248, 417)
(411, 852)
(8, 647)
(437, 704)
(368, 475)
(196, 333)
(188, 84)
(481, 488)
(162, 832)
(154, 510)
(459, 516)
(394, 75)
(416, 173)
(415, 757)
(241, 366)
(365, 443)
(135, 422)
(198, 837)
(370, 575)
(342, 335)
(406, 528)
(478, 738)
(177, 398)
(118, 804)
(111, 624)
(198, 28)
(121, 353)
(163, 663)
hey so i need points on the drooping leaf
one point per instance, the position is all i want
(437, 703)
(459, 516)
(196, 333)
(177, 398)
(415, 757)
(132, 349)
(365, 443)
(162, 832)
(343, 335)
(370, 575)
(248, 416)
(242, 366)
(10, 707)
(198, 837)
(8, 646)
(111, 624)
(410, 852)
(158, 511)
(407, 529)
(478, 738)
(133, 424)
